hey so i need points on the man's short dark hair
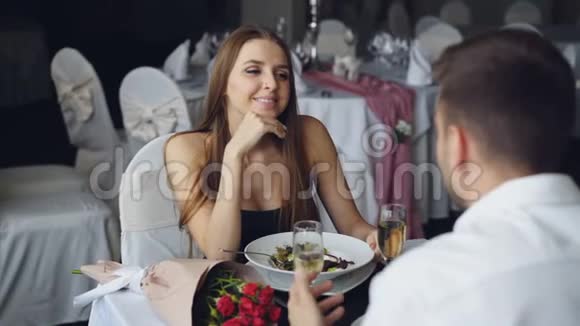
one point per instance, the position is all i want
(515, 92)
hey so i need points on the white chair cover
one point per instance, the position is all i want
(524, 27)
(86, 116)
(176, 64)
(152, 105)
(398, 20)
(523, 12)
(36, 180)
(42, 239)
(82, 102)
(419, 71)
(331, 40)
(427, 48)
(426, 22)
(150, 230)
(456, 13)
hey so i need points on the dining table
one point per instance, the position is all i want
(126, 308)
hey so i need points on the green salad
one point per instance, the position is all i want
(284, 259)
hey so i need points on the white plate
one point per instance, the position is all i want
(342, 284)
(340, 245)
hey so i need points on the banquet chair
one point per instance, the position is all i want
(427, 48)
(152, 105)
(43, 238)
(150, 227)
(456, 13)
(333, 40)
(176, 64)
(523, 12)
(424, 23)
(87, 120)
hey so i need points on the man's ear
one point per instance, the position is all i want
(458, 146)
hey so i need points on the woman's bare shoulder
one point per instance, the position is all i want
(188, 148)
(316, 139)
(311, 125)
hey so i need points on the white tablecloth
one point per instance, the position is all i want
(125, 308)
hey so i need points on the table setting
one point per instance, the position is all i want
(164, 292)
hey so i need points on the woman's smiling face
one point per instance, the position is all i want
(260, 80)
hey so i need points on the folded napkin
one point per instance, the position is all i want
(201, 56)
(347, 67)
(176, 64)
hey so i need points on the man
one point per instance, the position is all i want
(504, 114)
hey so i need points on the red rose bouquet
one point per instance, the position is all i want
(233, 301)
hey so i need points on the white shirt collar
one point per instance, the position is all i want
(546, 188)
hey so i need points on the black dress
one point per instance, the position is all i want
(257, 224)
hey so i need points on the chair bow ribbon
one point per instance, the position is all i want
(146, 122)
(76, 99)
(347, 67)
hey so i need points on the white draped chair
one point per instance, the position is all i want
(523, 12)
(427, 48)
(89, 128)
(456, 13)
(150, 228)
(87, 119)
(42, 239)
(424, 23)
(524, 27)
(152, 105)
(49, 222)
(176, 64)
(333, 40)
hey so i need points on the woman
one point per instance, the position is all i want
(247, 171)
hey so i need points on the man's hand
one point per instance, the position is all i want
(303, 309)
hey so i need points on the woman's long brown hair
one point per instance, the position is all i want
(215, 123)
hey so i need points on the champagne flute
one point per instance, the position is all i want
(392, 230)
(308, 249)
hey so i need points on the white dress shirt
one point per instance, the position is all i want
(513, 258)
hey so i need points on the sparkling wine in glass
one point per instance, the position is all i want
(392, 230)
(307, 246)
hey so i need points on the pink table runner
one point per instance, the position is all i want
(390, 102)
